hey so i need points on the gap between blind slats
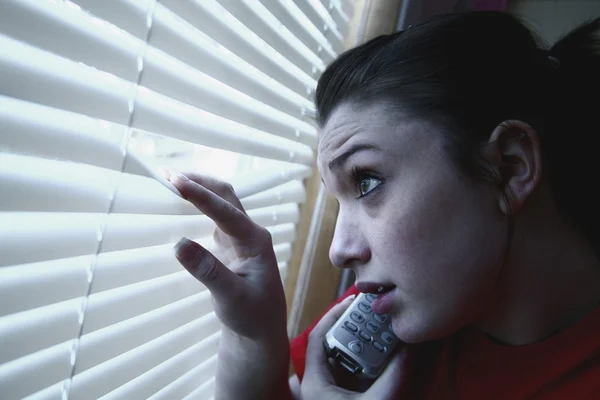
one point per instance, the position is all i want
(44, 185)
(58, 82)
(291, 16)
(33, 330)
(212, 19)
(79, 231)
(71, 33)
(174, 378)
(111, 374)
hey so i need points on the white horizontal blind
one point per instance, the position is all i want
(95, 95)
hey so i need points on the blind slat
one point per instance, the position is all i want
(213, 20)
(36, 75)
(73, 34)
(264, 24)
(291, 16)
(23, 287)
(104, 344)
(171, 77)
(162, 381)
(28, 286)
(203, 392)
(115, 305)
(109, 375)
(152, 262)
(79, 232)
(129, 15)
(181, 40)
(287, 193)
(27, 375)
(66, 31)
(318, 15)
(33, 330)
(93, 303)
(34, 184)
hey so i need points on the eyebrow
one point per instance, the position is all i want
(337, 162)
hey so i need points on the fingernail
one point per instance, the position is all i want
(350, 298)
(178, 175)
(185, 250)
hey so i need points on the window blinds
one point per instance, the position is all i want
(94, 95)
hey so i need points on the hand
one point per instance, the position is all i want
(247, 292)
(319, 381)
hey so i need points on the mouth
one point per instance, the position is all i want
(374, 287)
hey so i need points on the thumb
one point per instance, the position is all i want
(205, 267)
(394, 378)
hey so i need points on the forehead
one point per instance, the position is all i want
(350, 122)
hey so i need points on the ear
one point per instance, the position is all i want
(515, 154)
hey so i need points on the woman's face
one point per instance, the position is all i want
(408, 220)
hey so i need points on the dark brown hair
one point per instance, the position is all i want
(468, 73)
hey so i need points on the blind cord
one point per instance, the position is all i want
(66, 390)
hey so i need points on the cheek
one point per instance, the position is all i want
(443, 245)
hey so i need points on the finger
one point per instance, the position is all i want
(206, 268)
(218, 187)
(393, 377)
(317, 363)
(231, 220)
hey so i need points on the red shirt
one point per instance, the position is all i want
(469, 365)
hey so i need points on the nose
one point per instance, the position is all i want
(349, 247)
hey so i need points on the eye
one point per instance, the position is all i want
(367, 185)
(364, 181)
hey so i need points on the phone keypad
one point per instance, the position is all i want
(356, 347)
(378, 346)
(382, 319)
(372, 327)
(351, 326)
(364, 307)
(365, 336)
(358, 317)
(387, 338)
(373, 334)
(370, 297)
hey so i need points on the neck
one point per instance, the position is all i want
(550, 280)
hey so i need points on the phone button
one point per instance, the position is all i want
(358, 317)
(382, 319)
(372, 327)
(378, 347)
(386, 337)
(371, 297)
(365, 336)
(364, 307)
(356, 347)
(351, 326)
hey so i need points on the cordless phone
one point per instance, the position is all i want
(361, 341)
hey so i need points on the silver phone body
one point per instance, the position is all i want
(359, 341)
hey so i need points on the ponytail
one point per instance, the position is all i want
(572, 125)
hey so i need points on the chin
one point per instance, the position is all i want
(417, 331)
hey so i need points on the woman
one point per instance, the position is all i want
(461, 156)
